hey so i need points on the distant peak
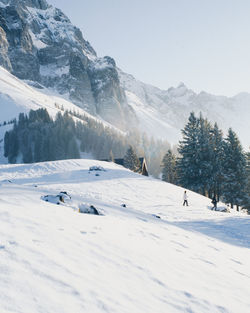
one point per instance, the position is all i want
(182, 85)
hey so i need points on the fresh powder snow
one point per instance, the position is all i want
(145, 253)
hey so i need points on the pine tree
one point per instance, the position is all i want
(131, 160)
(27, 156)
(6, 144)
(13, 146)
(247, 200)
(234, 171)
(188, 164)
(217, 147)
(169, 171)
(204, 156)
(200, 165)
(38, 148)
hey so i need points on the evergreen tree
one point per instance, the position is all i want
(201, 163)
(131, 160)
(169, 171)
(204, 156)
(188, 164)
(38, 148)
(217, 147)
(6, 144)
(247, 200)
(13, 147)
(27, 156)
(234, 171)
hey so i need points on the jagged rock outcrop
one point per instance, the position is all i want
(38, 43)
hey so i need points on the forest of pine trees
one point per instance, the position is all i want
(209, 164)
(36, 137)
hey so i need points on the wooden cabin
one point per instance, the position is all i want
(143, 165)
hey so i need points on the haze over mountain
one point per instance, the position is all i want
(40, 45)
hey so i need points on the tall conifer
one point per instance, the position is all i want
(169, 171)
(188, 163)
(234, 173)
(131, 160)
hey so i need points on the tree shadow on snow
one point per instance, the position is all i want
(232, 230)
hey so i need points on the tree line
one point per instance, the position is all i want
(209, 164)
(36, 137)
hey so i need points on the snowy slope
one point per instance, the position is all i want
(163, 113)
(16, 96)
(54, 259)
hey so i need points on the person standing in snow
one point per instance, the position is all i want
(214, 201)
(185, 197)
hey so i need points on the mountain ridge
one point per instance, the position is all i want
(39, 44)
(171, 108)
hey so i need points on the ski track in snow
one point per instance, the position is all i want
(54, 259)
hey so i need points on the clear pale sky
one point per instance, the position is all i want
(203, 43)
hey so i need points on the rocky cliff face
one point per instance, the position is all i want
(39, 43)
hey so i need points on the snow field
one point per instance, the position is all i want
(54, 259)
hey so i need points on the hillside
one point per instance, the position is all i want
(54, 259)
(17, 96)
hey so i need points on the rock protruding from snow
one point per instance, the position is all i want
(61, 198)
(88, 209)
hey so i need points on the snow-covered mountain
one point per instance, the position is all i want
(163, 113)
(39, 44)
(54, 259)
